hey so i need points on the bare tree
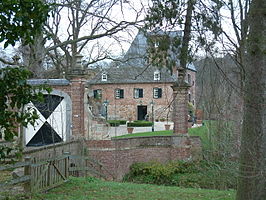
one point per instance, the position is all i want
(78, 27)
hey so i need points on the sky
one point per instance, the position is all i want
(128, 13)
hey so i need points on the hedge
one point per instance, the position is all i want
(139, 124)
(116, 122)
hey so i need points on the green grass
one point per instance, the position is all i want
(199, 131)
(155, 133)
(93, 189)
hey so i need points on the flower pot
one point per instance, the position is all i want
(130, 129)
(199, 121)
(167, 126)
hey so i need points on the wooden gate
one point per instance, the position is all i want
(48, 174)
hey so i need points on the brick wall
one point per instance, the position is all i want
(118, 155)
(75, 90)
(127, 107)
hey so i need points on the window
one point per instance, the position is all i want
(157, 93)
(189, 97)
(157, 75)
(104, 76)
(156, 44)
(138, 93)
(189, 79)
(97, 94)
(119, 93)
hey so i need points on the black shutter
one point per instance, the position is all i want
(140, 93)
(121, 94)
(95, 94)
(159, 92)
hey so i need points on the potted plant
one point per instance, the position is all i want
(199, 116)
(130, 129)
(167, 126)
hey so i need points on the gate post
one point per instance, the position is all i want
(66, 154)
(27, 172)
(180, 110)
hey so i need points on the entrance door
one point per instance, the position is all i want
(142, 112)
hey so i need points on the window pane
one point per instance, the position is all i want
(155, 93)
(136, 94)
(97, 94)
(117, 94)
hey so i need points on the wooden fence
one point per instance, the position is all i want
(49, 173)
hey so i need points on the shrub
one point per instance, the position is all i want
(114, 122)
(152, 172)
(200, 174)
(139, 124)
(122, 122)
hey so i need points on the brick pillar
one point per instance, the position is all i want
(180, 109)
(77, 96)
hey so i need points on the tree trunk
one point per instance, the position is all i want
(185, 41)
(252, 177)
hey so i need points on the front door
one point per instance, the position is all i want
(142, 112)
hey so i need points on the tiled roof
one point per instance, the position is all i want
(48, 81)
(132, 74)
(137, 52)
(133, 68)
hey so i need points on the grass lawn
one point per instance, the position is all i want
(199, 131)
(89, 188)
(155, 133)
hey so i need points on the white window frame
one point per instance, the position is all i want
(157, 75)
(104, 76)
(137, 92)
(156, 44)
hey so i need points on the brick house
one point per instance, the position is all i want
(133, 88)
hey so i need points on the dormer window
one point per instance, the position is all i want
(157, 75)
(104, 76)
(156, 44)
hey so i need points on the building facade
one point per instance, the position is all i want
(135, 88)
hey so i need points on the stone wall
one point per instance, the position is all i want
(117, 155)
